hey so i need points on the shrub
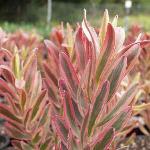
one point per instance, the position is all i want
(75, 104)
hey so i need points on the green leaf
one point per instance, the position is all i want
(37, 104)
(16, 64)
(123, 116)
(68, 74)
(100, 98)
(106, 51)
(45, 145)
(103, 28)
(116, 76)
(115, 21)
(23, 100)
(61, 128)
(105, 141)
(80, 50)
(126, 98)
(69, 113)
(6, 113)
(84, 126)
(17, 134)
(26, 146)
(37, 137)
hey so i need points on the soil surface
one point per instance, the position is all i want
(141, 143)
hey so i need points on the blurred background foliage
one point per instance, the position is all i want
(32, 14)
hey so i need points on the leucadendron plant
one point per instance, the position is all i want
(26, 108)
(73, 102)
(142, 76)
(90, 114)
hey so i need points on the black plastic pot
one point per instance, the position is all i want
(4, 142)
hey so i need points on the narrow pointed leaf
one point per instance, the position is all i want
(100, 99)
(6, 112)
(70, 114)
(80, 50)
(126, 98)
(103, 28)
(106, 50)
(69, 74)
(116, 76)
(38, 104)
(84, 126)
(26, 146)
(104, 143)
(61, 128)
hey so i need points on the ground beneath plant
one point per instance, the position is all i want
(141, 143)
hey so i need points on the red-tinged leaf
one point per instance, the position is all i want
(91, 42)
(104, 140)
(26, 117)
(124, 101)
(87, 147)
(57, 36)
(7, 74)
(78, 115)
(132, 56)
(61, 129)
(115, 123)
(80, 50)
(99, 99)
(72, 142)
(103, 28)
(50, 75)
(6, 113)
(106, 50)
(30, 61)
(37, 86)
(51, 93)
(26, 146)
(29, 72)
(17, 134)
(74, 105)
(5, 52)
(38, 136)
(127, 49)
(116, 76)
(46, 144)
(144, 43)
(122, 118)
(14, 106)
(90, 33)
(68, 74)
(84, 126)
(119, 38)
(37, 104)
(44, 116)
(6, 89)
(85, 82)
(52, 48)
(19, 127)
(23, 99)
(69, 113)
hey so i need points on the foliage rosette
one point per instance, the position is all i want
(91, 113)
(26, 108)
